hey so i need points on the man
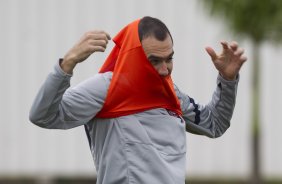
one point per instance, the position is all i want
(135, 117)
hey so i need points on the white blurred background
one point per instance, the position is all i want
(34, 34)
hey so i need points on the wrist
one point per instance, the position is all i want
(67, 65)
(228, 78)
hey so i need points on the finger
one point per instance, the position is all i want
(239, 52)
(224, 45)
(234, 45)
(108, 36)
(212, 53)
(102, 43)
(98, 49)
(97, 36)
(103, 32)
(243, 58)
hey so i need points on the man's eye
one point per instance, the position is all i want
(170, 59)
(154, 61)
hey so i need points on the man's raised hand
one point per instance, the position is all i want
(229, 61)
(92, 41)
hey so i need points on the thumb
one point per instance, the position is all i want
(211, 52)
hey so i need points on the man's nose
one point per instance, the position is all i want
(164, 65)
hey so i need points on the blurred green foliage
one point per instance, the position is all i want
(259, 20)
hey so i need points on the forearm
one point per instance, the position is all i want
(222, 105)
(45, 108)
(57, 107)
(213, 119)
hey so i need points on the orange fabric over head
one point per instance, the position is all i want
(135, 86)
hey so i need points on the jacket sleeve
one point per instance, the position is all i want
(213, 119)
(57, 106)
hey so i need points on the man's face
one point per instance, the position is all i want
(159, 53)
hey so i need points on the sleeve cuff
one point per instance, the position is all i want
(230, 82)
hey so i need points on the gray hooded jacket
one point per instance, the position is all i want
(147, 147)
